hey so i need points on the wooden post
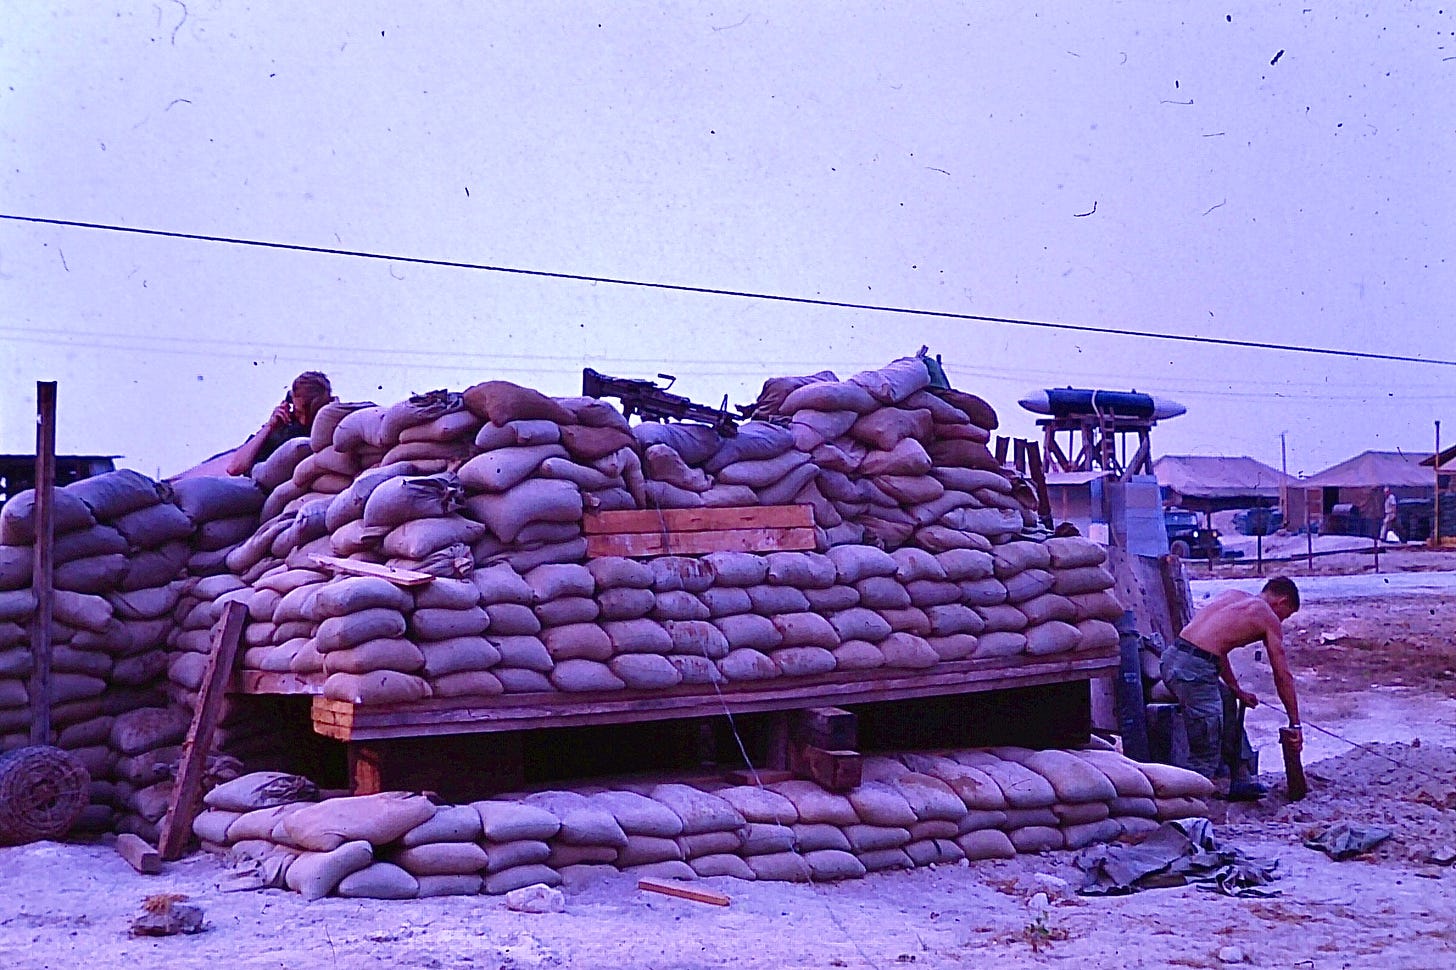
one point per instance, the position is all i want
(187, 787)
(1308, 533)
(44, 568)
(1436, 507)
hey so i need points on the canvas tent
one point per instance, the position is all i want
(1212, 483)
(1352, 492)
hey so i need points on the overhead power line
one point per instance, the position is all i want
(741, 294)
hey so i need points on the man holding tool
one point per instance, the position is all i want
(1196, 661)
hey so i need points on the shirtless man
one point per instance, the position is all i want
(1198, 658)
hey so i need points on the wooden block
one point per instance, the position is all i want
(699, 520)
(355, 567)
(669, 888)
(825, 727)
(638, 544)
(142, 857)
(764, 776)
(832, 770)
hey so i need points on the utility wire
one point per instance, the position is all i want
(742, 294)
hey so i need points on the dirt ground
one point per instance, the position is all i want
(1377, 671)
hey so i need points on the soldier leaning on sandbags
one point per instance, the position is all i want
(291, 419)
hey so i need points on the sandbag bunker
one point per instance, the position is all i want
(924, 555)
(915, 809)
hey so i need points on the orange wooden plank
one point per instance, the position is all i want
(699, 520)
(636, 544)
(669, 888)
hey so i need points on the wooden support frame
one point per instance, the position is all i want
(187, 787)
(344, 721)
(656, 532)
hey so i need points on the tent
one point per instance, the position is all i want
(1211, 483)
(1349, 497)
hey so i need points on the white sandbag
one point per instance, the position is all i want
(317, 874)
(375, 819)
(383, 654)
(586, 675)
(346, 595)
(440, 624)
(646, 671)
(512, 821)
(584, 641)
(700, 811)
(376, 687)
(1052, 637)
(746, 665)
(378, 880)
(534, 500)
(342, 632)
(398, 500)
(858, 655)
(512, 620)
(524, 652)
(638, 636)
(1083, 579)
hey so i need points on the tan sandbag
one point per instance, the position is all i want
(759, 804)
(458, 654)
(1101, 605)
(1082, 813)
(260, 789)
(518, 877)
(379, 880)
(447, 594)
(582, 822)
(858, 655)
(986, 844)
(679, 605)
(382, 654)
(261, 823)
(501, 402)
(441, 858)
(525, 433)
(1048, 607)
(376, 687)
(680, 572)
(645, 671)
(929, 797)
(896, 381)
(726, 601)
(805, 570)
(696, 670)
(419, 538)
(431, 886)
(697, 638)
(1097, 636)
(522, 852)
(524, 652)
(1073, 552)
(772, 600)
(805, 630)
(1183, 807)
(342, 632)
(501, 584)
(639, 815)
(587, 675)
(317, 874)
(450, 823)
(976, 789)
(722, 864)
(1016, 557)
(700, 811)
(1028, 584)
(744, 664)
(853, 563)
(765, 838)
(780, 867)
(1021, 787)
(646, 849)
(638, 636)
(511, 821)
(803, 661)
(928, 593)
(613, 572)
(577, 641)
(1082, 835)
(814, 804)
(466, 683)
(1051, 637)
(625, 603)
(709, 843)
(1084, 579)
(435, 624)
(1171, 782)
(533, 500)
(816, 836)
(212, 825)
(375, 819)
(859, 623)
(512, 620)
(1125, 774)
(557, 580)
(881, 803)
(908, 651)
(1037, 838)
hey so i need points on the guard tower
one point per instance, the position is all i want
(1097, 426)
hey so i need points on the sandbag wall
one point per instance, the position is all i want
(124, 545)
(487, 490)
(913, 809)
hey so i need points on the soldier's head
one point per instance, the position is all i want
(311, 391)
(1282, 596)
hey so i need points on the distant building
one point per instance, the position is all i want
(1348, 498)
(17, 472)
(1213, 483)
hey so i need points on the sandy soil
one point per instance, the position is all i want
(1371, 670)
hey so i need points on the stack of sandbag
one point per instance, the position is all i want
(146, 744)
(225, 513)
(913, 809)
(538, 464)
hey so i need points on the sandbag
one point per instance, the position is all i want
(17, 517)
(501, 402)
(397, 500)
(534, 500)
(317, 874)
(261, 789)
(376, 687)
(374, 819)
(511, 821)
(700, 811)
(113, 494)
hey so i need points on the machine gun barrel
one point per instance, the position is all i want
(647, 400)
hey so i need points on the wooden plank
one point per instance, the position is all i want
(832, 770)
(699, 520)
(670, 888)
(141, 857)
(637, 544)
(43, 577)
(187, 787)
(466, 715)
(356, 567)
(825, 727)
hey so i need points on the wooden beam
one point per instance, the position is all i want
(638, 544)
(763, 776)
(187, 787)
(668, 888)
(1038, 482)
(699, 520)
(357, 567)
(140, 856)
(826, 727)
(518, 712)
(1003, 444)
(831, 770)
(42, 579)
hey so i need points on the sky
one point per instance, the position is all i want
(1263, 172)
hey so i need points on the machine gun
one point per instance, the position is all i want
(648, 400)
